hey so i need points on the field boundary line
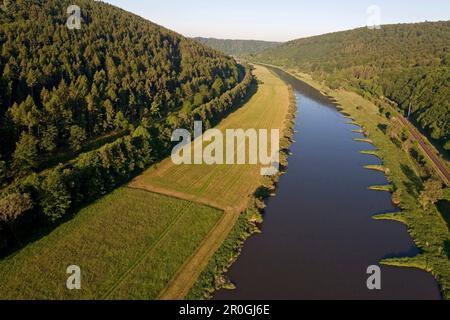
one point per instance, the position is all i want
(177, 195)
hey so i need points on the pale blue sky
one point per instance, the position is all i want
(278, 20)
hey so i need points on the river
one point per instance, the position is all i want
(318, 236)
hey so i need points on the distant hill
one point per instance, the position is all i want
(61, 89)
(238, 47)
(408, 63)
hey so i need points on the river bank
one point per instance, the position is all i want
(428, 227)
(319, 236)
(212, 278)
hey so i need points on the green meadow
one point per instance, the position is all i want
(128, 246)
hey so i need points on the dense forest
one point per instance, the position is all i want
(238, 48)
(407, 63)
(83, 111)
(61, 88)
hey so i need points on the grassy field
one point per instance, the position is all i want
(129, 245)
(428, 227)
(377, 168)
(212, 278)
(154, 238)
(228, 187)
(187, 276)
(225, 186)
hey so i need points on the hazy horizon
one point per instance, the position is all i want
(278, 21)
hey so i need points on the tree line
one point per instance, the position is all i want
(61, 89)
(41, 199)
(238, 48)
(102, 101)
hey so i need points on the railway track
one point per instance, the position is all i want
(440, 167)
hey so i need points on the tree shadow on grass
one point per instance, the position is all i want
(262, 193)
(447, 248)
(383, 128)
(415, 184)
(33, 232)
(444, 209)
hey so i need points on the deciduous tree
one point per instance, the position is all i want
(25, 157)
(77, 137)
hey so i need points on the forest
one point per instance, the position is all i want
(62, 89)
(407, 63)
(238, 48)
(83, 111)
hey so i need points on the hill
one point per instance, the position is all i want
(407, 63)
(62, 90)
(238, 48)
(142, 242)
(84, 111)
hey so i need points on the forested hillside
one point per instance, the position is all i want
(83, 111)
(407, 63)
(238, 48)
(61, 89)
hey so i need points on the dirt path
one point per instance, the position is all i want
(185, 278)
(227, 188)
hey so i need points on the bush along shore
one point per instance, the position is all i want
(417, 190)
(213, 277)
(38, 202)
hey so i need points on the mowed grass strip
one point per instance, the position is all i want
(227, 186)
(186, 277)
(129, 245)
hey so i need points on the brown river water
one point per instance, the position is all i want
(318, 235)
